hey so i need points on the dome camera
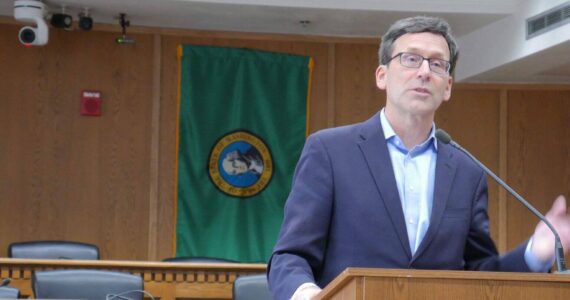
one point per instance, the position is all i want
(31, 11)
(86, 23)
(85, 20)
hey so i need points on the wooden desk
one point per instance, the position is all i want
(163, 280)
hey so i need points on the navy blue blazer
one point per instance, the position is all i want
(344, 211)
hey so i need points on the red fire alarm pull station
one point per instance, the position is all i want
(90, 103)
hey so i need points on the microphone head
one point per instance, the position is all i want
(442, 136)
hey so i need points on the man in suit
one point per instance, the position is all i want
(386, 194)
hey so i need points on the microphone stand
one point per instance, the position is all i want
(558, 249)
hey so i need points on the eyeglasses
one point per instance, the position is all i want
(411, 60)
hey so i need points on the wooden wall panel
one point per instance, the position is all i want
(63, 175)
(539, 155)
(167, 166)
(356, 96)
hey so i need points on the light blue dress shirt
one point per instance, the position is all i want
(415, 176)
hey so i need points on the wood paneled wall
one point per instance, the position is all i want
(63, 175)
(539, 154)
(109, 180)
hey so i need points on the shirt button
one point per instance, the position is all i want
(411, 187)
(411, 221)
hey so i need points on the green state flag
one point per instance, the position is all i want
(242, 126)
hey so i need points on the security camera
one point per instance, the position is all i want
(85, 23)
(31, 11)
(61, 20)
(85, 20)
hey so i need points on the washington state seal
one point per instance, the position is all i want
(240, 164)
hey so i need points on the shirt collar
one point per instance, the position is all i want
(389, 132)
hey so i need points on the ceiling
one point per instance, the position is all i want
(347, 18)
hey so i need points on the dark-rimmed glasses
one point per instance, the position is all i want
(411, 60)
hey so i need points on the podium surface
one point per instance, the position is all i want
(362, 283)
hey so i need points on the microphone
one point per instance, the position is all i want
(445, 138)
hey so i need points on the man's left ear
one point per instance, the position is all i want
(447, 92)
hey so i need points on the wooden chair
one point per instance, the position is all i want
(7, 292)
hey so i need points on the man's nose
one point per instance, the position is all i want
(424, 70)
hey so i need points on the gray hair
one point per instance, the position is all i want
(418, 24)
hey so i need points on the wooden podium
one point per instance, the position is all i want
(360, 283)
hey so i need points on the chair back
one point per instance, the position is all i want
(53, 250)
(251, 287)
(199, 259)
(87, 284)
(7, 292)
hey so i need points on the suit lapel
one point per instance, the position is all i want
(444, 174)
(373, 146)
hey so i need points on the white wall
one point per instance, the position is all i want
(504, 41)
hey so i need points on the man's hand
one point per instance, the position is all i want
(306, 291)
(543, 239)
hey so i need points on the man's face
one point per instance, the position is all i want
(410, 91)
